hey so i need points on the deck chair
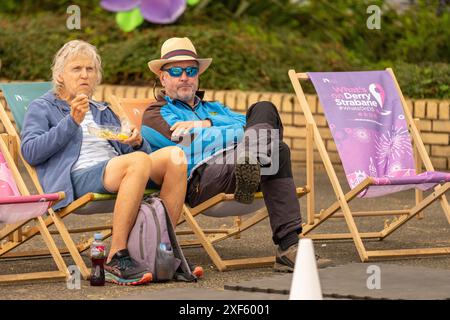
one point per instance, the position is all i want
(372, 128)
(17, 208)
(221, 205)
(18, 96)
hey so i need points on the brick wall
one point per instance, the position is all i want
(434, 118)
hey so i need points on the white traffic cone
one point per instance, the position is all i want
(305, 280)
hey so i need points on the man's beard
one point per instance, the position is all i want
(186, 97)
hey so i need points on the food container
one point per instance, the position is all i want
(107, 132)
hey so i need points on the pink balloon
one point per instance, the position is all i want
(119, 5)
(162, 11)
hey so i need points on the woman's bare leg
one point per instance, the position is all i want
(169, 171)
(128, 175)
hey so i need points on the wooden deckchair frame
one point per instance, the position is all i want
(314, 219)
(208, 237)
(20, 233)
(62, 273)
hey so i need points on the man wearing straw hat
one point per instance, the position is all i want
(227, 152)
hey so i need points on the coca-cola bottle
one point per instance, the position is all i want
(98, 259)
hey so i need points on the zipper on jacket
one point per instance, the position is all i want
(192, 109)
(79, 150)
(197, 114)
(79, 129)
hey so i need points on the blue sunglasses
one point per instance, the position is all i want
(178, 71)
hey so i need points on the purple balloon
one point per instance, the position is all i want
(119, 5)
(162, 11)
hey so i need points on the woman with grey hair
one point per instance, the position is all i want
(56, 141)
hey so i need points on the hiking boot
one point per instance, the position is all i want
(248, 178)
(285, 260)
(124, 270)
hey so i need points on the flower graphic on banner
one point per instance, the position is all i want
(362, 135)
(132, 13)
(395, 167)
(392, 145)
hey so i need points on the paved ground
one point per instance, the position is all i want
(433, 230)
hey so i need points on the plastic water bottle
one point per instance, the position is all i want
(165, 262)
(165, 246)
(98, 259)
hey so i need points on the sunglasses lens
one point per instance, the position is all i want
(178, 71)
(175, 71)
(191, 71)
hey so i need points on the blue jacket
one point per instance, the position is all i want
(227, 127)
(51, 142)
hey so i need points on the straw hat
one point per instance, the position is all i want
(178, 49)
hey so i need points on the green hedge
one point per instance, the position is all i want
(252, 52)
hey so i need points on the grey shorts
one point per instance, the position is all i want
(91, 180)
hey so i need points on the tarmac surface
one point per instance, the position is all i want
(433, 230)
